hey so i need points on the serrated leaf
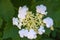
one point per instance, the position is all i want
(6, 10)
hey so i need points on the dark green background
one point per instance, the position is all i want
(9, 9)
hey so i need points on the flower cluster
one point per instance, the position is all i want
(31, 24)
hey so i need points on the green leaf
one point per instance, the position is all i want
(1, 21)
(38, 37)
(47, 39)
(54, 34)
(1, 34)
(8, 39)
(57, 19)
(10, 31)
(0, 38)
(48, 31)
(18, 38)
(6, 10)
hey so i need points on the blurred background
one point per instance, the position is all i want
(9, 9)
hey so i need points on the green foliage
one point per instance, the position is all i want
(1, 21)
(9, 8)
(6, 10)
(10, 31)
(53, 34)
(48, 31)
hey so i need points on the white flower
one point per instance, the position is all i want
(41, 30)
(22, 12)
(31, 34)
(15, 21)
(48, 21)
(41, 9)
(21, 33)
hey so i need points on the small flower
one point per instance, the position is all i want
(41, 9)
(21, 33)
(48, 21)
(30, 22)
(41, 30)
(15, 21)
(22, 12)
(31, 34)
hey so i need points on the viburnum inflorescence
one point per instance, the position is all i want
(29, 24)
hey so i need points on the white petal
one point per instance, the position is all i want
(41, 9)
(48, 21)
(32, 31)
(21, 33)
(31, 34)
(19, 25)
(41, 27)
(25, 33)
(41, 30)
(22, 12)
(35, 36)
(40, 33)
(15, 21)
